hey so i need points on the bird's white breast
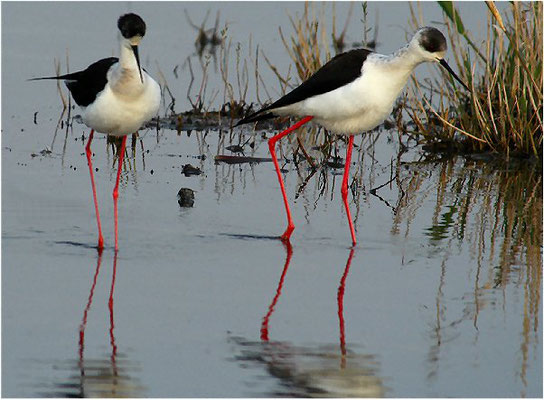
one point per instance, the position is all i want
(124, 104)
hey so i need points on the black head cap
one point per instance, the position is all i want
(432, 40)
(131, 25)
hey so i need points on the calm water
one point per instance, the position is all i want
(442, 296)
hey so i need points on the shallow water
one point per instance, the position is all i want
(441, 297)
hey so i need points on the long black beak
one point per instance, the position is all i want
(448, 68)
(135, 51)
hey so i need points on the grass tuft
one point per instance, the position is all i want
(503, 114)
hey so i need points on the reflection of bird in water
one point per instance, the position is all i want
(351, 94)
(266, 318)
(116, 97)
(340, 298)
(306, 371)
(310, 371)
(102, 377)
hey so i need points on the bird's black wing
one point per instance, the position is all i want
(85, 85)
(339, 71)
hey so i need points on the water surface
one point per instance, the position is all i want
(441, 297)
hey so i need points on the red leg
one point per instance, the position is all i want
(116, 188)
(89, 161)
(345, 189)
(271, 145)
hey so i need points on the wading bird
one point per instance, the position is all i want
(351, 94)
(116, 97)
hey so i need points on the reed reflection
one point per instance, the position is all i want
(494, 209)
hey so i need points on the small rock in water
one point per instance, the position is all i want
(188, 169)
(186, 197)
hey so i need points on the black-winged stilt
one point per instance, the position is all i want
(351, 94)
(116, 97)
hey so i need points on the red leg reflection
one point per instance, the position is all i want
(90, 163)
(112, 324)
(340, 298)
(116, 188)
(86, 311)
(272, 146)
(266, 318)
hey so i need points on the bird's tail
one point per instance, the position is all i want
(258, 116)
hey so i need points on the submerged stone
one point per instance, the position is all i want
(188, 169)
(186, 197)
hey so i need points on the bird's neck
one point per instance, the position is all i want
(127, 60)
(125, 79)
(395, 69)
(405, 58)
(399, 66)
